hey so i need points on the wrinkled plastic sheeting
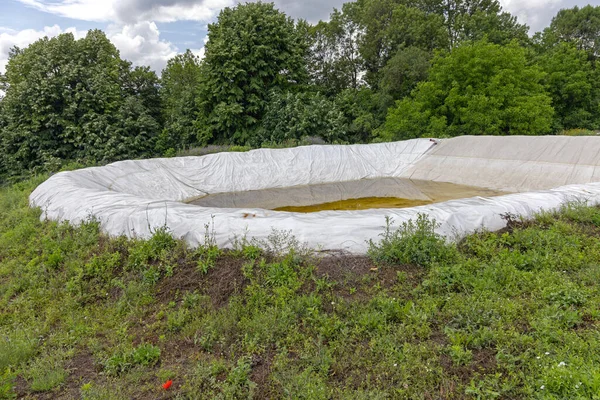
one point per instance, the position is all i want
(134, 198)
(512, 163)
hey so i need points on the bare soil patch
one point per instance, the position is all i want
(222, 281)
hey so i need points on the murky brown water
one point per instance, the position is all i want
(352, 195)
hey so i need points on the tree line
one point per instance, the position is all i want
(378, 70)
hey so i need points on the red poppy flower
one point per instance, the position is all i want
(167, 384)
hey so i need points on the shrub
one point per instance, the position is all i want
(154, 249)
(479, 88)
(293, 116)
(415, 242)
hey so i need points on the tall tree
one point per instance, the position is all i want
(292, 116)
(578, 26)
(404, 71)
(251, 49)
(389, 25)
(573, 84)
(479, 89)
(470, 20)
(334, 61)
(364, 111)
(179, 94)
(72, 99)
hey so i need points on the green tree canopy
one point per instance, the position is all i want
(403, 71)
(72, 99)
(579, 26)
(389, 25)
(179, 94)
(480, 88)
(292, 116)
(472, 20)
(364, 111)
(251, 49)
(334, 61)
(573, 84)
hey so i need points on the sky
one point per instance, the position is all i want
(150, 32)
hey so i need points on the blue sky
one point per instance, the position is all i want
(149, 32)
(184, 34)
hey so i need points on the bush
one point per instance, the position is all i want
(480, 88)
(74, 100)
(415, 242)
(293, 116)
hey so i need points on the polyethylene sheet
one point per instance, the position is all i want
(134, 198)
(512, 163)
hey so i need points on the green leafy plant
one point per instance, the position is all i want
(414, 242)
(480, 88)
(123, 361)
(7, 379)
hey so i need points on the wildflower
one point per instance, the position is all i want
(167, 384)
(542, 387)
(547, 353)
(561, 364)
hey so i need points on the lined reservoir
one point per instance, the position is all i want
(350, 195)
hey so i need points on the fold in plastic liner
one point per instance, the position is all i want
(134, 198)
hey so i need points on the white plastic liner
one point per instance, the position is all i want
(512, 163)
(134, 198)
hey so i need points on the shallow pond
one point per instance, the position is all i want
(351, 195)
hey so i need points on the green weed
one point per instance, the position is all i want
(414, 242)
(16, 348)
(7, 381)
(500, 315)
(143, 355)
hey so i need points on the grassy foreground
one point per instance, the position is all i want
(513, 314)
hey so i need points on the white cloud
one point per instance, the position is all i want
(10, 38)
(538, 13)
(133, 29)
(311, 10)
(132, 11)
(86, 10)
(141, 44)
(201, 51)
(170, 10)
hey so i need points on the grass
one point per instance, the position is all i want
(212, 149)
(513, 314)
(578, 132)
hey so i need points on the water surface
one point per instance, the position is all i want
(351, 195)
